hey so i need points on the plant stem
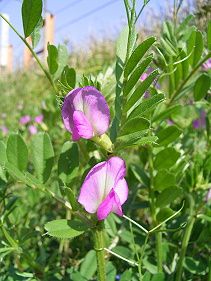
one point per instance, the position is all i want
(33, 53)
(100, 252)
(185, 239)
(158, 235)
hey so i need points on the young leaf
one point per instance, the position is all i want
(137, 55)
(201, 87)
(140, 90)
(17, 152)
(3, 155)
(199, 45)
(168, 135)
(65, 229)
(168, 196)
(68, 77)
(31, 14)
(166, 158)
(146, 106)
(42, 155)
(52, 58)
(36, 33)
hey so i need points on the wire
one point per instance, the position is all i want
(68, 6)
(85, 15)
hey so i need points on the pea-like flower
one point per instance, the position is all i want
(85, 113)
(104, 189)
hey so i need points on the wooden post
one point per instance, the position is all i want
(27, 56)
(10, 59)
(48, 32)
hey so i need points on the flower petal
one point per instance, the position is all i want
(81, 126)
(110, 204)
(93, 188)
(96, 109)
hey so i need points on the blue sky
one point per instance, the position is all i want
(71, 24)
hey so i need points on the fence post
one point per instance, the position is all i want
(48, 32)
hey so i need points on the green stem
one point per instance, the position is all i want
(175, 94)
(158, 235)
(185, 239)
(33, 53)
(100, 252)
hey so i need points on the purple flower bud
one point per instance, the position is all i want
(32, 130)
(170, 122)
(104, 189)
(143, 76)
(25, 119)
(38, 119)
(85, 113)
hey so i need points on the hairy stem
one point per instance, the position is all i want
(158, 235)
(33, 53)
(185, 239)
(100, 252)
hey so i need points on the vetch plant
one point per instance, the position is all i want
(149, 223)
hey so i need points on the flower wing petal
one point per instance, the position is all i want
(82, 125)
(121, 189)
(110, 204)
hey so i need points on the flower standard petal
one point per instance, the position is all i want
(96, 109)
(93, 188)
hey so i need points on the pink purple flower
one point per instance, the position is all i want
(201, 121)
(25, 119)
(85, 113)
(144, 76)
(38, 119)
(104, 189)
(207, 64)
(32, 130)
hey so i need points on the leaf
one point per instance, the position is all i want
(164, 214)
(135, 125)
(36, 33)
(17, 152)
(166, 158)
(135, 76)
(68, 77)
(166, 112)
(196, 267)
(110, 225)
(168, 135)
(134, 139)
(110, 272)
(68, 162)
(89, 265)
(31, 14)
(126, 275)
(146, 106)
(52, 58)
(62, 60)
(201, 87)
(72, 199)
(199, 46)
(121, 46)
(137, 55)
(14, 172)
(164, 179)
(65, 229)
(209, 36)
(158, 277)
(140, 90)
(168, 196)
(42, 155)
